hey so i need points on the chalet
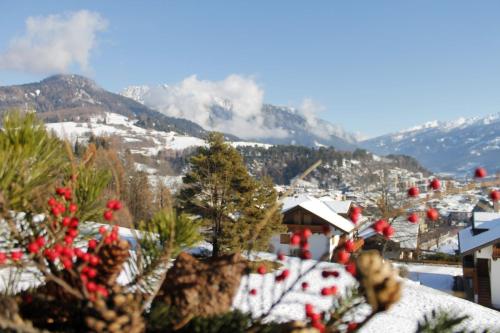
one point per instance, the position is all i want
(402, 245)
(316, 214)
(479, 247)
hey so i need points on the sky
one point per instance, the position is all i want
(372, 67)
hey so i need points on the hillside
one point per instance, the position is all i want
(73, 97)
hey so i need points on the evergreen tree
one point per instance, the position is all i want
(220, 192)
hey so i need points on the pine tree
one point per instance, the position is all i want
(254, 228)
(220, 192)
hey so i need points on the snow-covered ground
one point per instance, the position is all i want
(403, 317)
(434, 276)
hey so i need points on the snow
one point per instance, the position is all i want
(416, 301)
(434, 276)
(250, 144)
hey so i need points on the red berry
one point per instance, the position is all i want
(432, 214)
(356, 210)
(480, 173)
(33, 247)
(94, 260)
(306, 254)
(102, 290)
(351, 268)
(318, 325)
(114, 204)
(40, 240)
(52, 202)
(261, 270)
(55, 211)
(413, 191)
(304, 285)
(306, 233)
(343, 256)
(352, 326)
(349, 245)
(309, 308)
(60, 190)
(86, 257)
(3, 258)
(67, 263)
(67, 194)
(253, 292)
(91, 286)
(58, 248)
(379, 226)
(435, 184)
(72, 232)
(16, 255)
(68, 252)
(413, 218)
(108, 240)
(74, 222)
(354, 217)
(389, 231)
(92, 244)
(329, 291)
(304, 245)
(281, 256)
(73, 207)
(91, 273)
(295, 239)
(108, 215)
(68, 240)
(66, 221)
(283, 275)
(495, 195)
(79, 252)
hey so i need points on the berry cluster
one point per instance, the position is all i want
(54, 244)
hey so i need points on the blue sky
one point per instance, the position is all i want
(373, 66)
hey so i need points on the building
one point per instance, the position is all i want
(479, 247)
(302, 212)
(401, 246)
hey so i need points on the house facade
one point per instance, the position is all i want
(316, 214)
(480, 250)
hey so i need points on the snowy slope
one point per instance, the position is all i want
(148, 141)
(403, 317)
(453, 147)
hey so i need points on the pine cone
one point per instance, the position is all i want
(120, 312)
(112, 256)
(378, 280)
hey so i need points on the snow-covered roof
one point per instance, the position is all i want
(338, 206)
(318, 208)
(468, 241)
(486, 220)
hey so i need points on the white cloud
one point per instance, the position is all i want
(238, 100)
(52, 44)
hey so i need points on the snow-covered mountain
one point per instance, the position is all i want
(452, 147)
(270, 123)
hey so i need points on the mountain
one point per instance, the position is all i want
(273, 124)
(71, 97)
(454, 147)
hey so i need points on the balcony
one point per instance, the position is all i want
(496, 252)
